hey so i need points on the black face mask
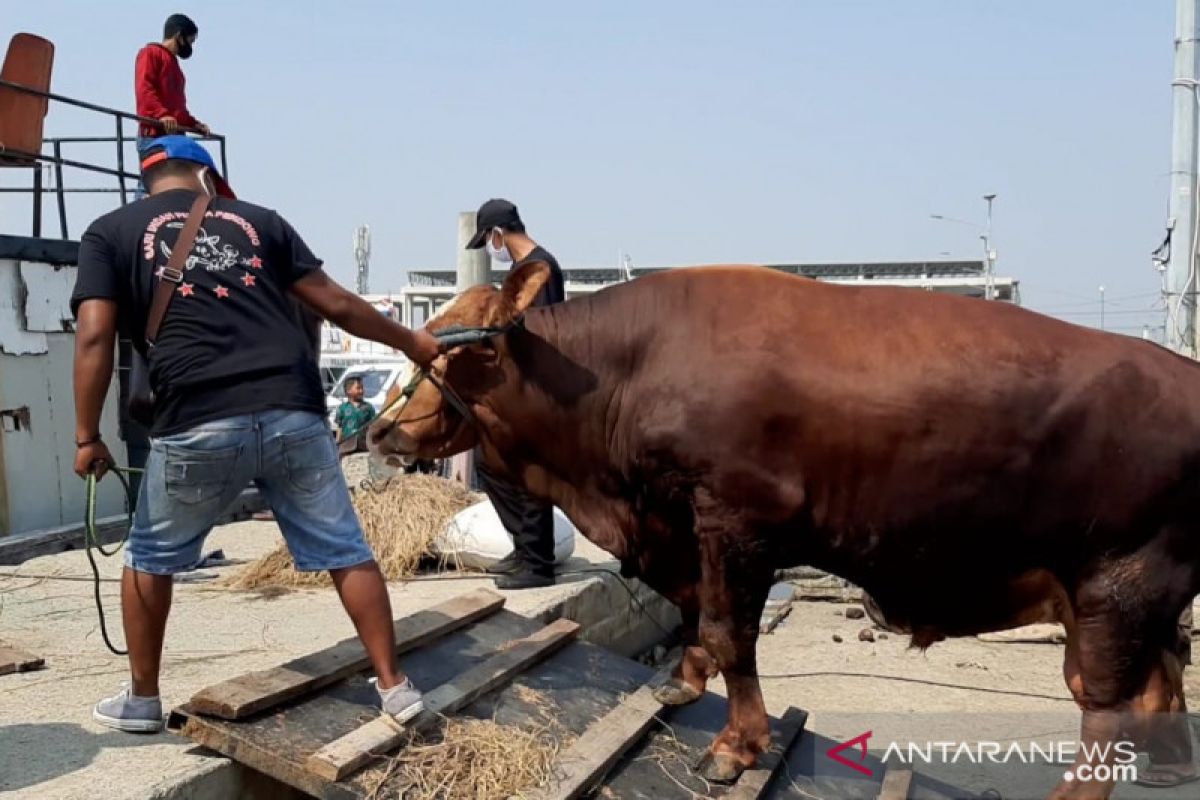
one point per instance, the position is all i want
(184, 47)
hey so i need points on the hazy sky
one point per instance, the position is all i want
(680, 132)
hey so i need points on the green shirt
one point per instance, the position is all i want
(353, 419)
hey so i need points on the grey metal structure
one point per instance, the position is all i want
(1181, 269)
(362, 258)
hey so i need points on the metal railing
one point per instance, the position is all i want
(56, 161)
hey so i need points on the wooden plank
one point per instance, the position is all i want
(585, 763)
(15, 660)
(247, 694)
(230, 741)
(778, 606)
(1038, 633)
(343, 756)
(895, 784)
(753, 783)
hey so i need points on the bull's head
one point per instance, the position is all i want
(418, 421)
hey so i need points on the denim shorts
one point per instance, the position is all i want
(193, 476)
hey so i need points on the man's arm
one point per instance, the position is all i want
(95, 338)
(339, 420)
(356, 316)
(188, 121)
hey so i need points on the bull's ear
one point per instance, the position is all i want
(523, 284)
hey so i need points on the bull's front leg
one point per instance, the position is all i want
(690, 674)
(735, 581)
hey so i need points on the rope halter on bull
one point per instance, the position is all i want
(451, 338)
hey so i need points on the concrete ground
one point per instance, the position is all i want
(961, 690)
(51, 748)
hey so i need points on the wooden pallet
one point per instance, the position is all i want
(314, 723)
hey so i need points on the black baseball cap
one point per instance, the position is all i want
(495, 213)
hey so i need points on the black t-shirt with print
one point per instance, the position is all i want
(234, 340)
(553, 291)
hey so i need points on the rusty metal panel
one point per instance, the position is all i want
(29, 62)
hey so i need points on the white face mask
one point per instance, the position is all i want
(498, 253)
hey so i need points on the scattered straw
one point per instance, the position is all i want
(466, 757)
(401, 521)
(673, 756)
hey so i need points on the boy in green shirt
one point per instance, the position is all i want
(352, 419)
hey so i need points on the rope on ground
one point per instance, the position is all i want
(903, 679)
(92, 541)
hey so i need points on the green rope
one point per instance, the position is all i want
(92, 540)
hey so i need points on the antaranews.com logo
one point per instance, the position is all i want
(1095, 765)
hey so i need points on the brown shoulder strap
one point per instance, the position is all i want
(171, 275)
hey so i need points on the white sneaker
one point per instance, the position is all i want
(403, 701)
(125, 712)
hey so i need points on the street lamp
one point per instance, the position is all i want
(1102, 307)
(989, 255)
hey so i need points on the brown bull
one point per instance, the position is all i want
(972, 465)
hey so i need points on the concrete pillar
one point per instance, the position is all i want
(473, 265)
(473, 268)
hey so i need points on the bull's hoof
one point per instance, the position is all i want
(720, 768)
(676, 693)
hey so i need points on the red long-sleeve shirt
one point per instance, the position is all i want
(158, 84)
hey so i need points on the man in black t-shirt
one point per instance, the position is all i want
(238, 399)
(529, 521)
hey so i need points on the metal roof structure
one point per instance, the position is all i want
(844, 271)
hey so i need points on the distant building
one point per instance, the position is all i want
(429, 289)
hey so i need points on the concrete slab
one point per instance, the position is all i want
(51, 748)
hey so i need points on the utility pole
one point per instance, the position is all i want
(1181, 269)
(989, 255)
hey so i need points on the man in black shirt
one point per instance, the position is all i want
(238, 398)
(529, 521)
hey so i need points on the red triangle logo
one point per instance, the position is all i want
(860, 741)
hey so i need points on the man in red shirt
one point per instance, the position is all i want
(159, 82)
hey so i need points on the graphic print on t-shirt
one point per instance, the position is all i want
(208, 252)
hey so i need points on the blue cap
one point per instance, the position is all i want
(184, 148)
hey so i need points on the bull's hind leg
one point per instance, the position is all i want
(1121, 669)
(689, 676)
(1160, 721)
(735, 580)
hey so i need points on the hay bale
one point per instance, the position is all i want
(467, 757)
(401, 522)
